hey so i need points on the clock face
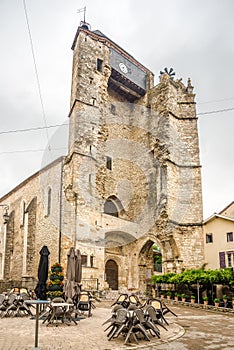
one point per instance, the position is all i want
(123, 68)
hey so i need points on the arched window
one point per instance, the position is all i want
(49, 201)
(113, 206)
(22, 213)
(110, 208)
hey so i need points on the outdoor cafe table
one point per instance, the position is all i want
(64, 307)
(37, 303)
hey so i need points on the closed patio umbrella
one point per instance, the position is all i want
(70, 274)
(73, 274)
(43, 268)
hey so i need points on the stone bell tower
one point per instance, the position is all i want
(132, 175)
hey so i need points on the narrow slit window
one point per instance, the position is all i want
(109, 163)
(99, 64)
(113, 109)
(49, 201)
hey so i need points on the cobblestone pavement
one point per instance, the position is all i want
(192, 329)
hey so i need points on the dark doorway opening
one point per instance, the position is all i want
(111, 271)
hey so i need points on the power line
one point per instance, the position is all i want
(36, 72)
(32, 129)
(218, 111)
(32, 150)
(212, 101)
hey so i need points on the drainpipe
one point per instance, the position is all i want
(60, 212)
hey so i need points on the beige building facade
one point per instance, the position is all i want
(219, 239)
(131, 179)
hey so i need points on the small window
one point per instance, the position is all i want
(84, 259)
(113, 109)
(209, 238)
(90, 178)
(109, 163)
(229, 260)
(90, 81)
(99, 64)
(91, 261)
(229, 236)
(94, 101)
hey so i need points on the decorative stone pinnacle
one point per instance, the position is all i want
(189, 88)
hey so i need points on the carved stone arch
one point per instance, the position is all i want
(170, 254)
(145, 264)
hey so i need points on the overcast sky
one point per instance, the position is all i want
(196, 38)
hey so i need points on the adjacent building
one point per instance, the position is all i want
(219, 240)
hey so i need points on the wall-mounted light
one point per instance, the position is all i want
(5, 214)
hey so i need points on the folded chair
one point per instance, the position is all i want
(23, 308)
(134, 300)
(139, 324)
(158, 306)
(154, 316)
(3, 303)
(84, 303)
(120, 324)
(122, 300)
(112, 319)
(11, 307)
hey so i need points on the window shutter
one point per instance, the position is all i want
(222, 260)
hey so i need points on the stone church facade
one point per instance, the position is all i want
(131, 179)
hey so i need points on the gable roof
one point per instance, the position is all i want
(215, 216)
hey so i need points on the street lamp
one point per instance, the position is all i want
(5, 215)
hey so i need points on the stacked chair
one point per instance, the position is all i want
(14, 305)
(133, 319)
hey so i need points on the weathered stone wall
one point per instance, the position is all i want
(41, 229)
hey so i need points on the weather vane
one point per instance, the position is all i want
(84, 24)
(169, 72)
(82, 10)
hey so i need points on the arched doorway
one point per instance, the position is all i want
(111, 272)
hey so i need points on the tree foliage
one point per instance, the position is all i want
(201, 276)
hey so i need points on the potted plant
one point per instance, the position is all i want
(225, 298)
(183, 296)
(216, 302)
(205, 300)
(56, 267)
(176, 296)
(169, 294)
(162, 295)
(55, 283)
(192, 299)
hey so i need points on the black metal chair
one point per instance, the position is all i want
(154, 316)
(122, 300)
(84, 303)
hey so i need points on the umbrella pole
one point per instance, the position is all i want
(36, 329)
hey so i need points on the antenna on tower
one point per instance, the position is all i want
(83, 23)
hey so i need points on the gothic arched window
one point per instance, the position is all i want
(113, 206)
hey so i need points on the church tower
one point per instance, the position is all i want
(132, 175)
